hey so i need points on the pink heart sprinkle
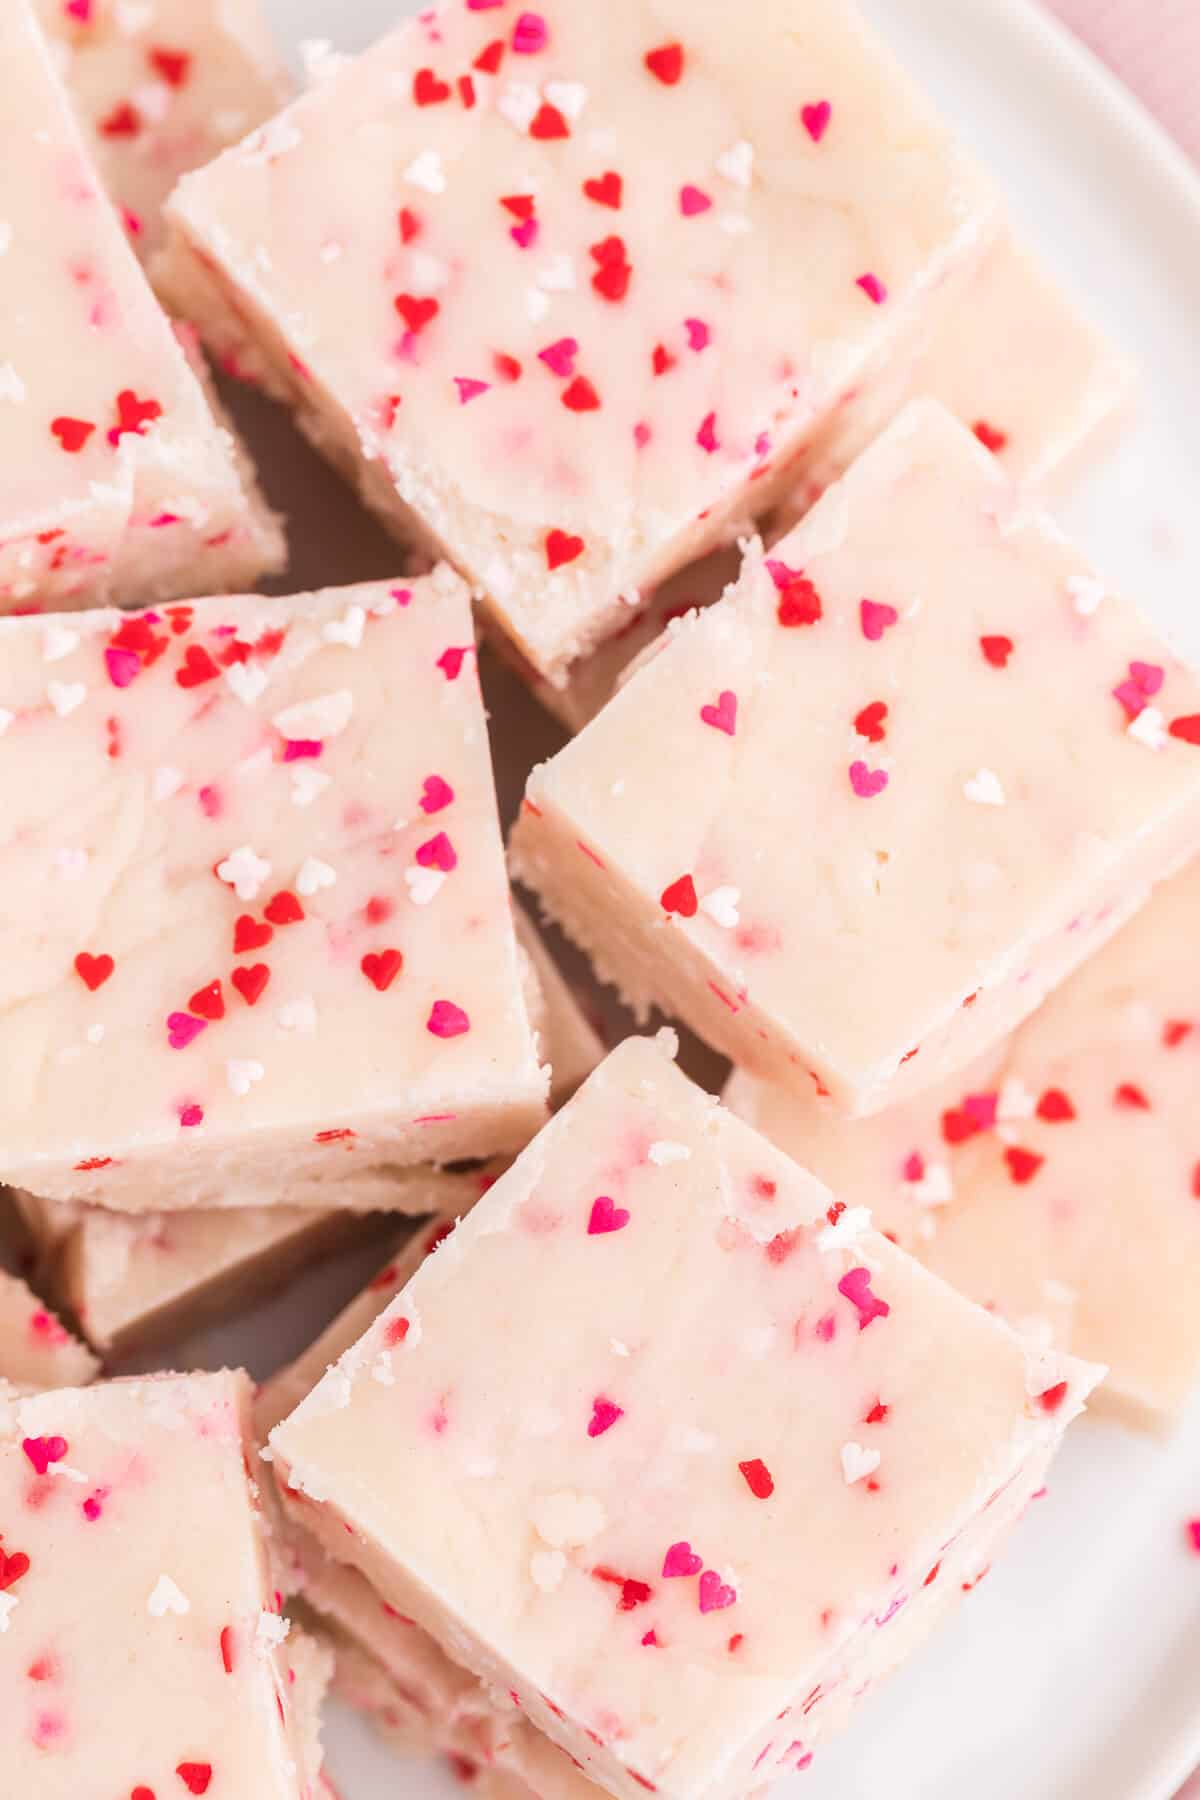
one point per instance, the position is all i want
(867, 782)
(707, 437)
(302, 749)
(693, 200)
(876, 617)
(529, 34)
(560, 356)
(981, 1110)
(525, 234)
(123, 666)
(446, 1020)
(715, 1596)
(681, 1559)
(605, 1413)
(483, 5)
(81, 10)
(469, 388)
(605, 1217)
(815, 119)
(855, 1286)
(191, 1115)
(42, 1451)
(873, 288)
(182, 1028)
(1149, 677)
(722, 716)
(438, 853)
(450, 662)
(698, 334)
(435, 794)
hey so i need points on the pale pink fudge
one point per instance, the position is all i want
(119, 480)
(1013, 358)
(853, 822)
(174, 1677)
(132, 1279)
(36, 1349)
(563, 301)
(677, 1506)
(161, 87)
(268, 945)
(567, 1037)
(1059, 1180)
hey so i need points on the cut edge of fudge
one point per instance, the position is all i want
(36, 1349)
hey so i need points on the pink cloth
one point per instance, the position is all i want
(1154, 46)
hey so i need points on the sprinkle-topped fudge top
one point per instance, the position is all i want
(918, 757)
(737, 1427)
(581, 276)
(257, 845)
(112, 1500)
(163, 88)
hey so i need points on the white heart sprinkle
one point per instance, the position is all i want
(307, 783)
(423, 884)
(347, 630)
(722, 906)
(6, 719)
(322, 717)
(242, 1073)
(426, 275)
(425, 171)
(167, 781)
(244, 872)
(935, 1187)
(65, 696)
(270, 1631)
(857, 1462)
(846, 1229)
(570, 97)
(314, 875)
(246, 681)
(11, 386)
(547, 1568)
(8, 1605)
(664, 1151)
(985, 788)
(58, 642)
(518, 102)
(537, 305)
(166, 1597)
(567, 1518)
(558, 276)
(737, 163)
(1086, 593)
(298, 1015)
(1015, 1100)
(1149, 728)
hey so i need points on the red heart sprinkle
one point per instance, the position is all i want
(72, 434)
(662, 360)
(93, 971)
(562, 547)
(248, 934)
(173, 65)
(208, 1002)
(988, 435)
(416, 311)
(758, 1478)
(1055, 1107)
(997, 650)
(195, 1776)
(123, 121)
(680, 897)
(1023, 1165)
(282, 909)
(580, 396)
(605, 1217)
(489, 58)
(869, 723)
(1053, 1397)
(799, 603)
(1186, 729)
(681, 1559)
(548, 123)
(198, 667)
(12, 1567)
(132, 415)
(251, 981)
(410, 225)
(381, 968)
(428, 90)
(666, 62)
(606, 189)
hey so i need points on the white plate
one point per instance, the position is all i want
(1073, 1673)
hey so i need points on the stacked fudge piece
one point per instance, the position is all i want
(120, 481)
(643, 1475)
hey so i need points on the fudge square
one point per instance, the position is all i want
(608, 269)
(856, 819)
(162, 89)
(1058, 1182)
(131, 1543)
(678, 1505)
(266, 941)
